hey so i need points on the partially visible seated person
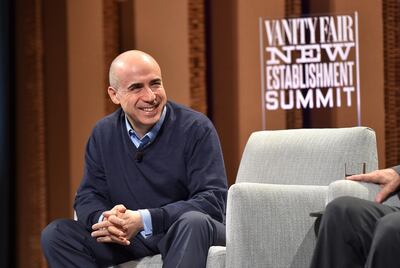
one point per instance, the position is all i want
(154, 180)
(361, 233)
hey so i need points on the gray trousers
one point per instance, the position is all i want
(67, 243)
(358, 233)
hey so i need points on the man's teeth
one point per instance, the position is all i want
(148, 109)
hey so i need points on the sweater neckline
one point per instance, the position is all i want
(130, 147)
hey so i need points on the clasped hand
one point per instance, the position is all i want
(119, 225)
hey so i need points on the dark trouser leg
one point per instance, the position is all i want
(187, 241)
(346, 232)
(66, 243)
(385, 248)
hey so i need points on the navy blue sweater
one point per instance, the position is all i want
(182, 170)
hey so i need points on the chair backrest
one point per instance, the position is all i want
(306, 156)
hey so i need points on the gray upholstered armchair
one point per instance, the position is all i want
(283, 176)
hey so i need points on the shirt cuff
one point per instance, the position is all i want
(147, 224)
(100, 218)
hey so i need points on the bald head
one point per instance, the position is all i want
(136, 84)
(129, 60)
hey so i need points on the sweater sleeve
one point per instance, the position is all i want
(397, 169)
(92, 195)
(205, 181)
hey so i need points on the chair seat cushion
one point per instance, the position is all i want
(216, 259)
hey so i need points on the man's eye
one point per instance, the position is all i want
(134, 89)
(156, 85)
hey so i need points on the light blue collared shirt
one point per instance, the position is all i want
(150, 136)
(141, 143)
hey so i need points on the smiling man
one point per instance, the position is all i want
(154, 180)
(135, 84)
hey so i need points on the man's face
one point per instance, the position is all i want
(140, 93)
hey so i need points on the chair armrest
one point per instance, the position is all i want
(268, 225)
(216, 257)
(357, 189)
(347, 188)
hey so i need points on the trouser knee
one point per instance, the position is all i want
(344, 209)
(194, 227)
(194, 220)
(387, 230)
(188, 240)
(62, 232)
(51, 234)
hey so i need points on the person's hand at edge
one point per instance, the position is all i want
(388, 179)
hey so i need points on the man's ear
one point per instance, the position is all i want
(113, 95)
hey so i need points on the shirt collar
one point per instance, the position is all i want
(150, 135)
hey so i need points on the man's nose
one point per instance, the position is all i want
(148, 94)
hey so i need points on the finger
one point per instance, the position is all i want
(383, 194)
(104, 239)
(116, 210)
(100, 225)
(107, 214)
(113, 239)
(116, 231)
(120, 208)
(120, 240)
(117, 213)
(369, 177)
(100, 233)
(114, 220)
(120, 214)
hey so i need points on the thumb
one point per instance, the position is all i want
(120, 208)
(383, 194)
